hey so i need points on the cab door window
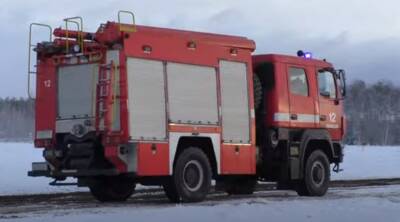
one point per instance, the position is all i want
(298, 81)
(326, 83)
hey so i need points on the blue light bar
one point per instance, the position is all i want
(308, 55)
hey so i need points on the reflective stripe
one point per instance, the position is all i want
(44, 134)
(301, 118)
(307, 118)
(332, 126)
(281, 117)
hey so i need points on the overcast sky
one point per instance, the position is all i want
(361, 36)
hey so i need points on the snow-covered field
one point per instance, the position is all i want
(16, 158)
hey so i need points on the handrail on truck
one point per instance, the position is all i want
(124, 28)
(79, 25)
(30, 71)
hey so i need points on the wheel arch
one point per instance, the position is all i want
(315, 140)
(208, 143)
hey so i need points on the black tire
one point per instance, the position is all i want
(301, 189)
(243, 186)
(258, 93)
(112, 189)
(316, 175)
(191, 178)
(171, 192)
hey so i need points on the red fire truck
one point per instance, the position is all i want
(133, 104)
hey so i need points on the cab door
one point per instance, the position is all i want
(301, 97)
(330, 113)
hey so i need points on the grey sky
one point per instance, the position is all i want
(361, 36)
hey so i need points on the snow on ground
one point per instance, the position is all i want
(16, 158)
(15, 162)
(367, 162)
(344, 205)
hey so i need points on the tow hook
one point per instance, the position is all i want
(336, 168)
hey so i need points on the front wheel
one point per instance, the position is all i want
(191, 180)
(112, 189)
(316, 175)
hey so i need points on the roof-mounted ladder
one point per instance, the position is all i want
(31, 46)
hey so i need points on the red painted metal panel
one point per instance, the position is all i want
(153, 159)
(46, 91)
(278, 97)
(238, 159)
(112, 154)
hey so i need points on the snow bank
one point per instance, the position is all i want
(16, 158)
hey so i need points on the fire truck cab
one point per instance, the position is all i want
(299, 113)
(133, 104)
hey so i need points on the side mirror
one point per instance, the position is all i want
(342, 79)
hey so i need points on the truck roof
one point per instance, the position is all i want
(219, 39)
(210, 38)
(290, 59)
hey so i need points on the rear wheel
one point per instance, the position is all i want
(316, 175)
(112, 189)
(191, 180)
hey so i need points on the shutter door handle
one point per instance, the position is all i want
(293, 116)
(322, 117)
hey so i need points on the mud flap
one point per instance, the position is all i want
(294, 168)
(294, 161)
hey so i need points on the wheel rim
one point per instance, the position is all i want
(193, 175)
(318, 173)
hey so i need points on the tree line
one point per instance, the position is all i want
(372, 111)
